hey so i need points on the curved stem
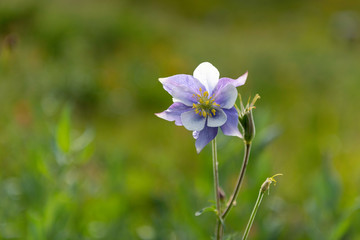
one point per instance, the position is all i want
(237, 187)
(240, 179)
(253, 214)
(216, 187)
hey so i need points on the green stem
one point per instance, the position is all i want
(216, 187)
(240, 179)
(237, 187)
(253, 214)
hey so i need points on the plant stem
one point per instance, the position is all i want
(216, 188)
(240, 179)
(237, 187)
(253, 214)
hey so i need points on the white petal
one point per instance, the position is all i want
(208, 75)
(218, 120)
(192, 121)
(195, 134)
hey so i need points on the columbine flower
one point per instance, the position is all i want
(203, 103)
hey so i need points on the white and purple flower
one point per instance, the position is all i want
(203, 103)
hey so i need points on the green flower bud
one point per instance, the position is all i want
(247, 123)
(266, 185)
(246, 119)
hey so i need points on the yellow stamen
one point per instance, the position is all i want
(203, 113)
(266, 185)
(205, 104)
(272, 178)
(257, 96)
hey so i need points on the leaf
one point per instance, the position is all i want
(87, 153)
(206, 209)
(63, 131)
(326, 185)
(35, 229)
(343, 225)
(83, 141)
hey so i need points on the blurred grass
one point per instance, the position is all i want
(115, 171)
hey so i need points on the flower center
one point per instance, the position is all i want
(205, 105)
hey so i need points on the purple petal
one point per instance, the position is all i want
(230, 128)
(192, 121)
(218, 120)
(235, 82)
(205, 136)
(182, 87)
(226, 96)
(173, 113)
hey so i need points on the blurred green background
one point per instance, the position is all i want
(82, 155)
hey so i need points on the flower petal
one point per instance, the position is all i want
(182, 87)
(192, 121)
(195, 134)
(173, 113)
(226, 96)
(204, 137)
(208, 75)
(230, 128)
(235, 82)
(218, 120)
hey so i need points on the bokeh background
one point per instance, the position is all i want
(82, 155)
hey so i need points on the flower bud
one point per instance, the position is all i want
(222, 195)
(246, 119)
(247, 123)
(266, 185)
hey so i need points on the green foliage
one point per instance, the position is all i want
(63, 131)
(206, 209)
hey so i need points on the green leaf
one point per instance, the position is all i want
(35, 229)
(83, 141)
(63, 131)
(345, 222)
(87, 153)
(206, 209)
